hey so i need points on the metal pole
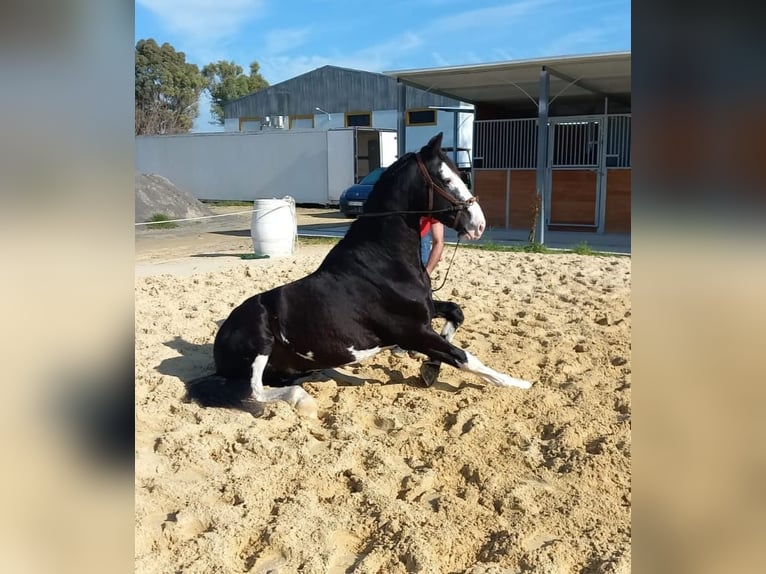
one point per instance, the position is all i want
(401, 123)
(455, 116)
(602, 172)
(542, 153)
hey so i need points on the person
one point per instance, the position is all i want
(431, 248)
(431, 242)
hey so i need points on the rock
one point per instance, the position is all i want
(157, 194)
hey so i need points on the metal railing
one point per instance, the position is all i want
(574, 143)
(512, 144)
(505, 144)
(618, 141)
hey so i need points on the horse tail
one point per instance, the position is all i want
(218, 391)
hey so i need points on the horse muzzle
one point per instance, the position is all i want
(474, 223)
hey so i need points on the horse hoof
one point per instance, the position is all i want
(307, 407)
(429, 371)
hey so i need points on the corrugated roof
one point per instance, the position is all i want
(333, 89)
(519, 80)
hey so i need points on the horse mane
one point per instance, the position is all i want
(396, 168)
(400, 174)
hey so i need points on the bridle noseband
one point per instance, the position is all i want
(457, 205)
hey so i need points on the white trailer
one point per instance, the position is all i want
(313, 167)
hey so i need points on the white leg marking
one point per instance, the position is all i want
(448, 331)
(339, 376)
(309, 356)
(491, 376)
(256, 381)
(363, 354)
(294, 395)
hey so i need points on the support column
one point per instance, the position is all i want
(401, 123)
(542, 154)
(456, 120)
(602, 169)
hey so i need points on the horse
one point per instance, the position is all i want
(370, 293)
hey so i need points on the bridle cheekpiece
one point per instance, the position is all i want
(457, 205)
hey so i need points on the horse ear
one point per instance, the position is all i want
(435, 143)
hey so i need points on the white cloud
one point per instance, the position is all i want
(285, 39)
(492, 16)
(280, 68)
(375, 58)
(439, 60)
(381, 55)
(204, 21)
(502, 55)
(580, 42)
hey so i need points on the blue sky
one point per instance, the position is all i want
(290, 37)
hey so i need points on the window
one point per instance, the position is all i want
(423, 117)
(250, 124)
(301, 121)
(358, 119)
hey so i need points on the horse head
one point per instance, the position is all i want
(446, 196)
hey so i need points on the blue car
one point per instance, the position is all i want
(352, 200)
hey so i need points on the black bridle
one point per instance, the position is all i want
(456, 205)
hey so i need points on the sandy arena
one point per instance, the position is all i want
(392, 477)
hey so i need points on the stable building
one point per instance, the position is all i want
(551, 138)
(333, 97)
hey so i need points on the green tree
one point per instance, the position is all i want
(227, 81)
(167, 89)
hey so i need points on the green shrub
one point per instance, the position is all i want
(161, 221)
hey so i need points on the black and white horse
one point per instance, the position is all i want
(370, 293)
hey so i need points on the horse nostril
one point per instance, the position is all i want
(481, 227)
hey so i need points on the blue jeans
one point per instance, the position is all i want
(425, 248)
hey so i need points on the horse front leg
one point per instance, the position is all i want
(453, 315)
(442, 351)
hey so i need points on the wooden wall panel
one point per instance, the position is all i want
(489, 186)
(573, 197)
(617, 219)
(523, 197)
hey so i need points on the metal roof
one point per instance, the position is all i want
(507, 82)
(333, 89)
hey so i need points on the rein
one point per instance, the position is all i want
(457, 205)
(446, 273)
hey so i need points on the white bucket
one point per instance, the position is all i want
(274, 227)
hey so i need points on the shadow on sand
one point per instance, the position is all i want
(196, 360)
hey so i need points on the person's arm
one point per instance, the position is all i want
(437, 246)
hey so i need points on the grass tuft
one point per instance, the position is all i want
(161, 221)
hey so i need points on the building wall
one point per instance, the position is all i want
(617, 219)
(416, 136)
(508, 196)
(241, 166)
